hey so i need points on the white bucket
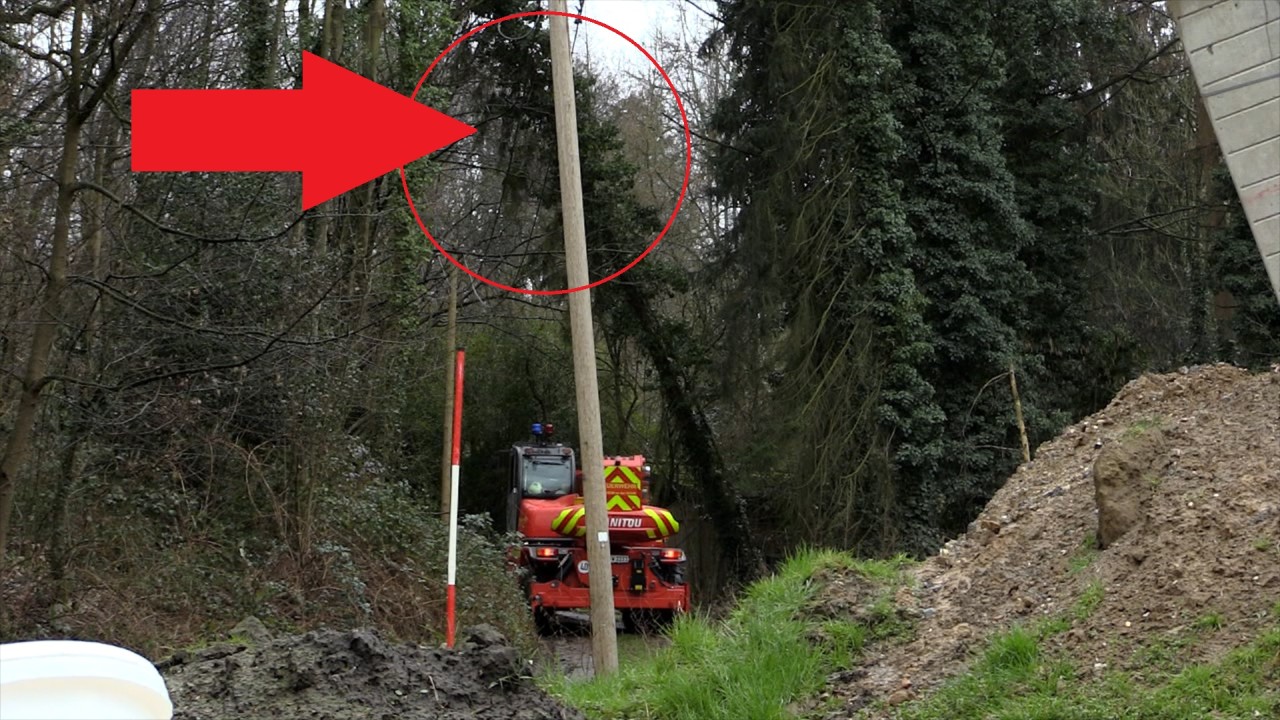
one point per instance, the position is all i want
(72, 680)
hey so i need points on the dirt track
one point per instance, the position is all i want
(569, 646)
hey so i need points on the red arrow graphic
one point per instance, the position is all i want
(339, 130)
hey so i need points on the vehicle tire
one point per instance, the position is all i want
(630, 624)
(661, 620)
(544, 621)
(647, 622)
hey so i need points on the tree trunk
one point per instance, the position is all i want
(78, 424)
(206, 54)
(615, 347)
(59, 554)
(273, 46)
(1208, 336)
(80, 80)
(725, 507)
(362, 255)
(46, 326)
(330, 49)
(257, 30)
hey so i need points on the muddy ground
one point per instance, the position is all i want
(333, 675)
(1187, 465)
(356, 675)
(567, 647)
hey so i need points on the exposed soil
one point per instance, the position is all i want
(1187, 465)
(356, 675)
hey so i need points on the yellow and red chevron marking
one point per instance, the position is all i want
(621, 502)
(666, 523)
(571, 521)
(658, 522)
(622, 488)
(622, 474)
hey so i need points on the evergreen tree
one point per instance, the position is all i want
(892, 163)
(1056, 189)
(1250, 331)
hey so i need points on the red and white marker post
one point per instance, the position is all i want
(451, 601)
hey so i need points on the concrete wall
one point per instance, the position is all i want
(1234, 48)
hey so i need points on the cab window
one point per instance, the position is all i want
(547, 477)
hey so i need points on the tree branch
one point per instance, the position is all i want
(1159, 53)
(85, 185)
(115, 66)
(1117, 227)
(673, 119)
(26, 16)
(266, 348)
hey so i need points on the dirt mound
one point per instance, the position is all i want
(356, 675)
(1187, 467)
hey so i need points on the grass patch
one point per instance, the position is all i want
(1165, 655)
(1088, 601)
(1051, 626)
(765, 655)
(885, 623)
(1143, 425)
(845, 640)
(1013, 654)
(1013, 679)
(1084, 555)
(1245, 685)
(885, 571)
(1079, 612)
(1211, 621)
(1012, 660)
(634, 648)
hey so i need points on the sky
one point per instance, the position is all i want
(639, 19)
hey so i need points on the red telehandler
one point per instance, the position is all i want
(546, 511)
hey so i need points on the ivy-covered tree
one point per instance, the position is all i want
(889, 162)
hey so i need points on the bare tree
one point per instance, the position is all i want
(95, 45)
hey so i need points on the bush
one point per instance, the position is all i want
(156, 569)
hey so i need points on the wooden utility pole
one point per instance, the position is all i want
(604, 638)
(446, 459)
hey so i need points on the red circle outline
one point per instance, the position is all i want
(688, 162)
